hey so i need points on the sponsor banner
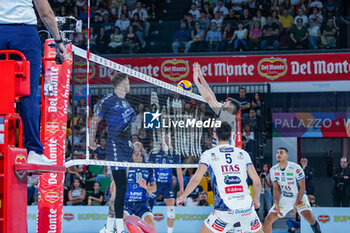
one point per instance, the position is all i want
(91, 219)
(239, 69)
(311, 124)
(53, 136)
(331, 220)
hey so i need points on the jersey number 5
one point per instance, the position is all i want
(228, 158)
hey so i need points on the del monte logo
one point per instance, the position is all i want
(52, 196)
(52, 126)
(272, 68)
(80, 71)
(174, 69)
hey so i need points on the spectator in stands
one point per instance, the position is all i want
(257, 103)
(81, 3)
(188, 19)
(286, 4)
(81, 109)
(137, 124)
(117, 40)
(75, 136)
(275, 6)
(309, 174)
(102, 41)
(32, 190)
(123, 23)
(329, 35)
(260, 18)
(77, 193)
(182, 39)
(316, 16)
(207, 10)
(113, 12)
(198, 36)
(237, 5)
(80, 151)
(221, 8)
(93, 37)
(226, 37)
(301, 16)
(244, 101)
(101, 149)
(239, 38)
(299, 35)
(102, 10)
(247, 132)
(202, 199)
(246, 19)
(316, 3)
(231, 17)
(286, 22)
(252, 120)
(312, 200)
(293, 224)
(314, 35)
(204, 21)
(331, 6)
(270, 35)
(266, 194)
(123, 9)
(218, 19)
(83, 15)
(304, 5)
(341, 187)
(144, 138)
(77, 39)
(139, 27)
(143, 16)
(194, 11)
(193, 197)
(96, 198)
(213, 38)
(131, 42)
(255, 36)
(107, 23)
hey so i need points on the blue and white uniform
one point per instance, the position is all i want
(287, 180)
(118, 115)
(136, 199)
(233, 202)
(229, 118)
(164, 176)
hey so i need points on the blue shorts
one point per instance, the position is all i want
(139, 209)
(166, 189)
(119, 150)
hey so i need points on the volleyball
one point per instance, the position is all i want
(185, 85)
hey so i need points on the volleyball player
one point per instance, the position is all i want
(288, 181)
(230, 166)
(119, 115)
(226, 112)
(164, 177)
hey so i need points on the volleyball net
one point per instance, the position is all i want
(165, 116)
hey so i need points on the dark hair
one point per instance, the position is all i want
(80, 184)
(283, 148)
(304, 158)
(234, 103)
(224, 131)
(118, 78)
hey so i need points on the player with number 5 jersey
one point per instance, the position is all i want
(230, 166)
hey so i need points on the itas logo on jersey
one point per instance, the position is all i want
(232, 179)
(230, 169)
(219, 225)
(151, 120)
(234, 189)
(255, 224)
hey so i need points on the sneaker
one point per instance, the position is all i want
(35, 158)
(104, 230)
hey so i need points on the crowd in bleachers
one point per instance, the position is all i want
(240, 25)
(89, 185)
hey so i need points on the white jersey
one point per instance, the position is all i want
(228, 167)
(287, 179)
(231, 119)
(17, 12)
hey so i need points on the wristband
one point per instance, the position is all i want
(59, 41)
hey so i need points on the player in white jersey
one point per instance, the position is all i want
(226, 112)
(288, 180)
(233, 203)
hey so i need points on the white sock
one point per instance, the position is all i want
(170, 229)
(120, 225)
(110, 224)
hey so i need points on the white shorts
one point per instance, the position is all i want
(223, 221)
(286, 205)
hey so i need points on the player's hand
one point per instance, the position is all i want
(61, 51)
(179, 193)
(278, 210)
(295, 209)
(142, 182)
(180, 200)
(256, 203)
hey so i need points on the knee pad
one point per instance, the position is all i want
(170, 211)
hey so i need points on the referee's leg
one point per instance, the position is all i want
(119, 177)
